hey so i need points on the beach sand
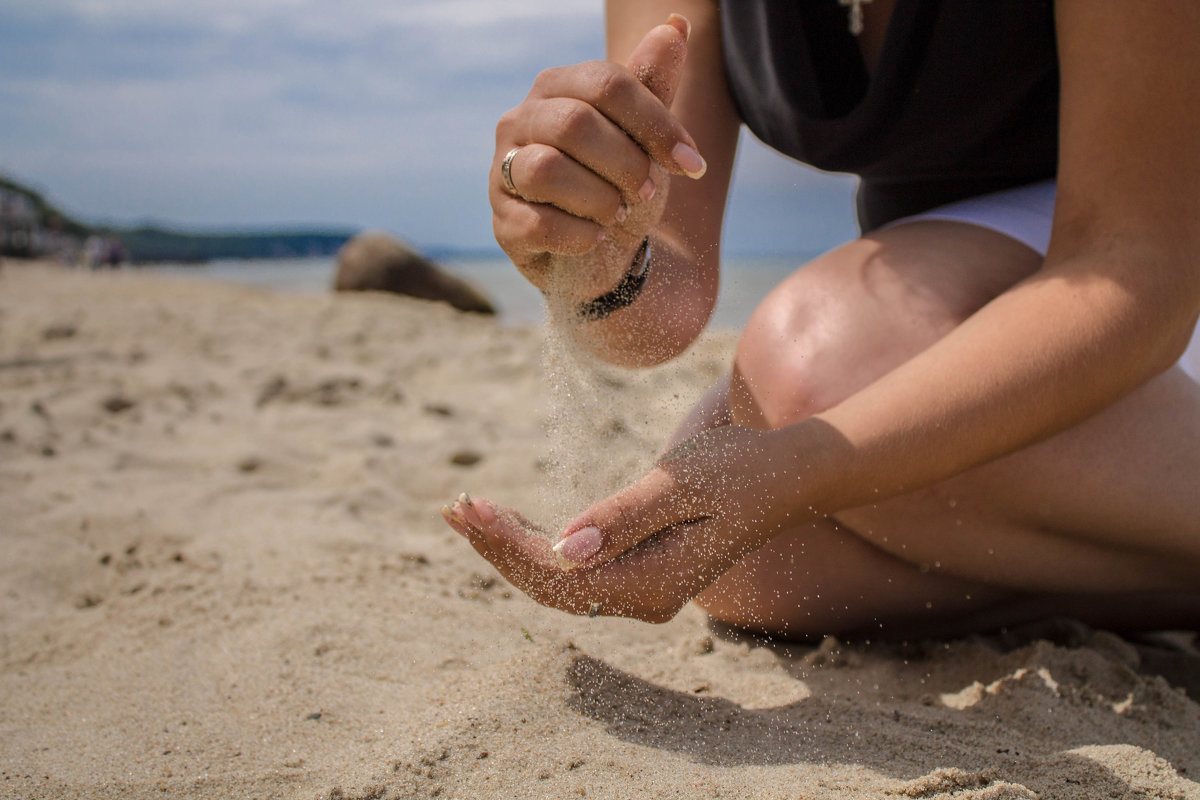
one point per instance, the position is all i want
(224, 575)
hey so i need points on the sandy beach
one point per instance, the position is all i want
(224, 575)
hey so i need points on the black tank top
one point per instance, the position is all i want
(963, 101)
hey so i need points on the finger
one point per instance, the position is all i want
(529, 230)
(617, 94)
(618, 523)
(543, 174)
(523, 557)
(457, 520)
(499, 539)
(580, 131)
(522, 551)
(657, 61)
(658, 58)
(454, 521)
(464, 508)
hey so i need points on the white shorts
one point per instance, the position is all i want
(1026, 214)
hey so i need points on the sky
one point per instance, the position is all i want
(290, 113)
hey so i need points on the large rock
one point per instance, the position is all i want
(375, 261)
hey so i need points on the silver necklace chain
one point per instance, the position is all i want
(856, 14)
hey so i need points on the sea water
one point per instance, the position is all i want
(745, 280)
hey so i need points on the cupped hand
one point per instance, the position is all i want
(595, 146)
(652, 547)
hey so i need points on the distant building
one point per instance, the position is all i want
(31, 229)
(20, 224)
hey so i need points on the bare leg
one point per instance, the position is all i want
(1078, 524)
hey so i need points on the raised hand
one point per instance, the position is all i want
(589, 153)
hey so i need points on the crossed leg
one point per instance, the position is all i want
(1100, 522)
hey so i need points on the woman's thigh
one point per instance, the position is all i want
(1111, 505)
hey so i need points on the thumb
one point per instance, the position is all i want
(657, 61)
(619, 522)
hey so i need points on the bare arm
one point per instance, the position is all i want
(1120, 289)
(682, 288)
(596, 172)
(1113, 306)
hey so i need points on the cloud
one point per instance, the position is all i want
(362, 112)
(314, 96)
(237, 15)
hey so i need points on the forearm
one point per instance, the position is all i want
(681, 288)
(1040, 358)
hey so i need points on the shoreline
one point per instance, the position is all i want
(226, 576)
(746, 282)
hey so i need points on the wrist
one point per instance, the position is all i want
(625, 292)
(809, 461)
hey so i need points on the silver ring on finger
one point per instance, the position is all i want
(506, 172)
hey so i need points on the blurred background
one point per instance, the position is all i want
(318, 117)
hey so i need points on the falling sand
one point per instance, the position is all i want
(590, 415)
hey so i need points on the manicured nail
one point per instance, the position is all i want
(687, 26)
(688, 160)
(468, 513)
(465, 499)
(577, 548)
(450, 515)
(622, 213)
(648, 189)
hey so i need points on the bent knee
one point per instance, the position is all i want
(774, 383)
(802, 351)
(848, 318)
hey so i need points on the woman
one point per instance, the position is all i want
(960, 420)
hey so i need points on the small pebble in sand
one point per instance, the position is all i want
(250, 464)
(64, 330)
(271, 390)
(466, 458)
(117, 403)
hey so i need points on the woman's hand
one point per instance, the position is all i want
(649, 549)
(594, 144)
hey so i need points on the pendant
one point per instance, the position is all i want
(856, 14)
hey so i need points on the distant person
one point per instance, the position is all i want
(93, 252)
(114, 253)
(968, 417)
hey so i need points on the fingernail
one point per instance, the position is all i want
(450, 515)
(687, 26)
(688, 160)
(622, 213)
(578, 547)
(465, 499)
(469, 514)
(648, 189)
